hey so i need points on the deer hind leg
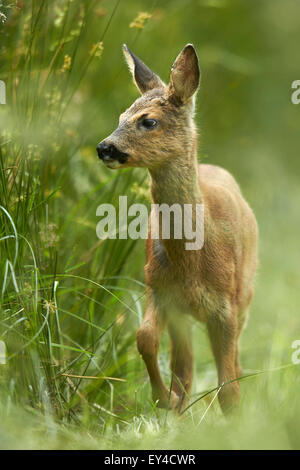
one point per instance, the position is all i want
(242, 319)
(238, 368)
(148, 339)
(241, 322)
(222, 330)
(182, 358)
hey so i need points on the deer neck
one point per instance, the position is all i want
(177, 182)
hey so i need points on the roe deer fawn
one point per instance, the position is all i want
(213, 284)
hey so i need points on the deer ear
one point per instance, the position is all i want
(185, 76)
(144, 78)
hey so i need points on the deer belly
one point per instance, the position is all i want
(182, 299)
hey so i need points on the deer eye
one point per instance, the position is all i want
(149, 123)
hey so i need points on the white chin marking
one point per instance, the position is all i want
(113, 165)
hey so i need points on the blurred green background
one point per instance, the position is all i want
(70, 304)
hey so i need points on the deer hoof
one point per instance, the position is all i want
(168, 401)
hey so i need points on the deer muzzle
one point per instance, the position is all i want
(110, 154)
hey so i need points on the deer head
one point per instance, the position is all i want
(158, 125)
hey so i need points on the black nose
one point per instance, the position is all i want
(109, 152)
(105, 151)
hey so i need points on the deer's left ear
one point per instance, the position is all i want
(144, 78)
(185, 76)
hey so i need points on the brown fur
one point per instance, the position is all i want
(214, 284)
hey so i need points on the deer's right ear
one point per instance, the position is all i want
(144, 78)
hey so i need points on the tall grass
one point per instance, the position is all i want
(63, 308)
(70, 304)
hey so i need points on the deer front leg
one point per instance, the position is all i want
(182, 359)
(222, 333)
(148, 339)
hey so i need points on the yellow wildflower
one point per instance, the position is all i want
(97, 49)
(49, 305)
(139, 21)
(67, 64)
